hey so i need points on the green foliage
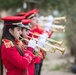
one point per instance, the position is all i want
(6, 4)
(50, 3)
(57, 67)
(69, 9)
(57, 4)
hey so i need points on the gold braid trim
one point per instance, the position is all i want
(8, 43)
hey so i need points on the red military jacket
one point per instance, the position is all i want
(37, 30)
(14, 63)
(31, 69)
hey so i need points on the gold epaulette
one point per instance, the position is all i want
(8, 43)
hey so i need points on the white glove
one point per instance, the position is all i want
(41, 17)
(48, 26)
(43, 36)
(50, 19)
(49, 23)
(32, 43)
(42, 39)
(40, 20)
(42, 42)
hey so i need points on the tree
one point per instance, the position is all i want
(69, 8)
(6, 4)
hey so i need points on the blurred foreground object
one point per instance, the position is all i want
(73, 68)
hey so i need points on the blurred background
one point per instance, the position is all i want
(54, 63)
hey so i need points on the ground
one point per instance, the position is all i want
(57, 64)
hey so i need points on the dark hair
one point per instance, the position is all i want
(25, 28)
(7, 35)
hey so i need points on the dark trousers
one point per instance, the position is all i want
(38, 68)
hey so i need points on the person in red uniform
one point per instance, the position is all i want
(36, 29)
(25, 30)
(15, 60)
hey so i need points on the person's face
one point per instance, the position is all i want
(25, 32)
(34, 21)
(15, 32)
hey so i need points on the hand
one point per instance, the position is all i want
(49, 23)
(32, 43)
(42, 39)
(50, 19)
(43, 36)
(41, 17)
(42, 42)
(48, 26)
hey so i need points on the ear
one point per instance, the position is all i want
(10, 31)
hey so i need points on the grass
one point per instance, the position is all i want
(56, 68)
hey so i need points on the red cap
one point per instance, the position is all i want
(21, 13)
(13, 20)
(31, 13)
(26, 23)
